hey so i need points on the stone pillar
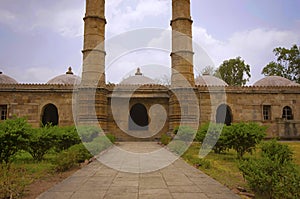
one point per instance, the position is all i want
(183, 102)
(92, 92)
(182, 47)
(93, 72)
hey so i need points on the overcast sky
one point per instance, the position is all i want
(39, 39)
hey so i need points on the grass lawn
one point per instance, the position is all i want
(224, 167)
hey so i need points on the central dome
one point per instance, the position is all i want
(67, 79)
(275, 81)
(4, 79)
(208, 80)
(138, 79)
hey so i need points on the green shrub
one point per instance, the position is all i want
(111, 138)
(88, 133)
(65, 137)
(178, 146)
(277, 152)
(243, 137)
(213, 136)
(185, 133)
(273, 175)
(14, 135)
(165, 139)
(175, 130)
(41, 141)
(71, 157)
(98, 145)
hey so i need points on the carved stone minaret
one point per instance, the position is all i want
(92, 92)
(93, 72)
(183, 102)
(182, 47)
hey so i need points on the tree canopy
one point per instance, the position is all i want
(287, 63)
(234, 72)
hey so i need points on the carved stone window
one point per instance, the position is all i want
(3, 112)
(287, 113)
(267, 112)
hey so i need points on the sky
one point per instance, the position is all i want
(41, 39)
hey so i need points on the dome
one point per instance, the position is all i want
(4, 79)
(138, 79)
(208, 80)
(275, 81)
(68, 78)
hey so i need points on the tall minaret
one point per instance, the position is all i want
(92, 92)
(93, 72)
(183, 102)
(182, 47)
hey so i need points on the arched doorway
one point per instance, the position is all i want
(50, 115)
(224, 115)
(138, 118)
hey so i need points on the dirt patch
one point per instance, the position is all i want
(42, 185)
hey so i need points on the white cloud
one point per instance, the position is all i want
(122, 17)
(254, 46)
(6, 16)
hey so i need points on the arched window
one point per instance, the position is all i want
(138, 118)
(287, 113)
(50, 115)
(224, 115)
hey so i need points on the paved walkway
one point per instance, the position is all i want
(178, 180)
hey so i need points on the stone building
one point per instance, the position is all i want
(137, 108)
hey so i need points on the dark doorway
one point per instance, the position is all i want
(224, 115)
(138, 118)
(50, 115)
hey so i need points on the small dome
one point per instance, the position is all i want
(208, 80)
(4, 79)
(68, 78)
(275, 81)
(138, 79)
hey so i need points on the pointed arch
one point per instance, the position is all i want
(50, 115)
(138, 118)
(224, 115)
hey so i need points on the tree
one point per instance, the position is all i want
(287, 63)
(208, 70)
(234, 72)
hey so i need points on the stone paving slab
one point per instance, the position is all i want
(178, 180)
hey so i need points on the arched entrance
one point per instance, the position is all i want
(50, 115)
(138, 118)
(224, 115)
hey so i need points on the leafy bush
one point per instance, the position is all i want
(243, 137)
(273, 175)
(14, 134)
(41, 141)
(71, 157)
(165, 139)
(178, 146)
(65, 137)
(277, 152)
(98, 145)
(213, 136)
(88, 133)
(185, 133)
(111, 138)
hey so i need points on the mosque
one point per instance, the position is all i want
(140, 109)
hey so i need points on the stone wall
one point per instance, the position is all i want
(29, 100)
